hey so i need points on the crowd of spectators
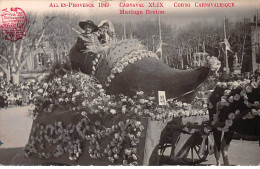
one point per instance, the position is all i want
(12, 95)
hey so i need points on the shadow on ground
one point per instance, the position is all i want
(7, 155)
(15, 157)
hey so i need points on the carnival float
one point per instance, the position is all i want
(111, 114)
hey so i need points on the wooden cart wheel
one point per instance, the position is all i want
(193, 154)
(189, 153)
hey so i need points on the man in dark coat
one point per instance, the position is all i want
(82, 51)
(2, 102)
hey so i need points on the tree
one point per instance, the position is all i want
(60, 36)
(15, 53)
(5, 59)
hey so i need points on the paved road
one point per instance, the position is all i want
(244, 153)
(15, 127)
(241, 153)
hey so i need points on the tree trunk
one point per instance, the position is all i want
(8, 74)
(16, 78)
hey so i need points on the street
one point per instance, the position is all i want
(15, 127)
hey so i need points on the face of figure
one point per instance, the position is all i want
(88, 28)
(104, 28)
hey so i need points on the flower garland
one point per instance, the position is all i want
(240, 94)
(119, 55)
(213, 63)
(81, 94)
(121, 63)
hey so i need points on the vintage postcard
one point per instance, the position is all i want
(130, 82)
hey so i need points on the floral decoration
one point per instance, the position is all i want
(80, 94)
(238, 99)
(121, 63)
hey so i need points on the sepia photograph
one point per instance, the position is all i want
(130, 83)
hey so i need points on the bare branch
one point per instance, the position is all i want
(20, 51)
(23, 62)
(31, 22)
(4, 58)
(4, 69)
(40, 38)
(14, 54)
(14, 48)
(47, 21)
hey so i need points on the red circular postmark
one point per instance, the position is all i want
(13, 23)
